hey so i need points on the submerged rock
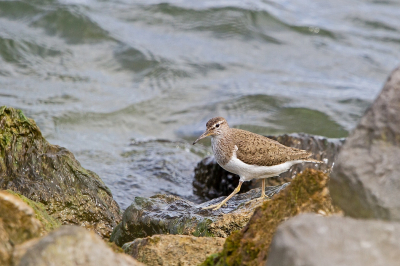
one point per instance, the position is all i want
(174, 250)
(211, 180)
(51, 175)
(69, 245)
(17, 224)
(313, 240)
(166, 214)
(365, 181)
(306, 193)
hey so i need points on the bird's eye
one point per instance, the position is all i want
(217, 125)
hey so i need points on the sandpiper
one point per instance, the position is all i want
(249, 155)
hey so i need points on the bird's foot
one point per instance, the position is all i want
(214, 207)
(262, 198)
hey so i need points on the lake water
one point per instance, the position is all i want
(128, 85)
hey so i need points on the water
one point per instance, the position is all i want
(127, 85)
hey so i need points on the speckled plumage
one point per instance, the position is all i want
(252, 148)
(249, 155)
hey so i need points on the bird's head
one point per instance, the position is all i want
(215, 126)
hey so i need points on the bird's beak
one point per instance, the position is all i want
(205, 134)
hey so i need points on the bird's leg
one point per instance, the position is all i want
(263, 196)
(217, 206)
(263, 189)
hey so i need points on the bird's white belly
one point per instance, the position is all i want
(248, 172)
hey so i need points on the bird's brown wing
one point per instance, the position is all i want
(255, 149)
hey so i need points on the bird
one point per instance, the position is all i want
(249, 155)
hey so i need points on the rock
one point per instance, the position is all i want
(365, 181)
(48, 222)
(51, 175)
(18, 218)
(6, 247)
(69, 245)
(306, 193)
(172, 250)
(17, 224)
(211, 180)
(166, 214)
(310, 239)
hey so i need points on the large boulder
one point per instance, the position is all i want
(166, 214)
(69, 246)
(365, 181)
(313, 240)
(17, 224)
(306, 193)
(211, 180)
(51, 175)
(174, 250)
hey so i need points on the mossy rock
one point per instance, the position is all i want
(48, 222)
(308, 192)
(50, 175)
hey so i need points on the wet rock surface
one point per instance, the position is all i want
(50, 174)
(211, 180)
(365, 181)
(306, 193)
(69, 245)
(166, 214)
(311, 240)
(179, 250)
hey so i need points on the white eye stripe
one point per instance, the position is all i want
(217, 124)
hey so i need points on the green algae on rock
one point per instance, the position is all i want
(49, 223)
(308, 192)
(51, 175)
(165, 214)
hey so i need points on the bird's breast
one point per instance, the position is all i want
(222, 151)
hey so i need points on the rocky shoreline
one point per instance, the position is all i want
(52, 209)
